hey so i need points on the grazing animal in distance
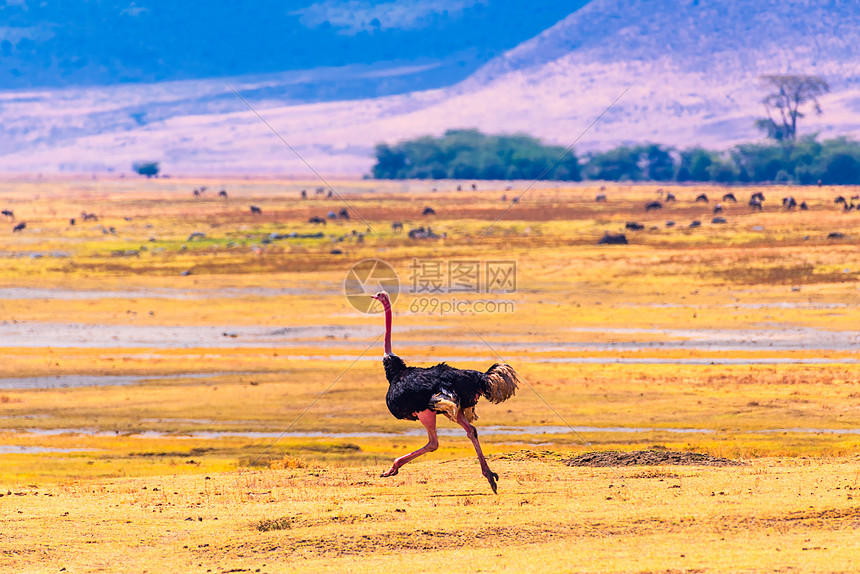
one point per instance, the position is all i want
(755, 203)
(840, 199)
(343, 213)
(702, 197)
(803, 206)
(319, 191)
(758, 196)
(670, 197)
(653, 205)
(8, 213)
(20, 227)
(789, 202)
(634, 226)
(613, 239)
(316, 220)
(428, 211)
(331, 215)
(416, 393)
(89, 216)
(397, 226)
(256, 210)
(730, 197)
(474, 187)
(718, 208)
(422, 233)
(304, 194)
(223, 193)
(601, 198)
(696, 223)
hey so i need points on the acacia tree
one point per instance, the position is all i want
(783, 104)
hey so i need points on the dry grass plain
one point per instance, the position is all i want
(214, 403)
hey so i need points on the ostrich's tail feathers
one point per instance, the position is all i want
(501, 382)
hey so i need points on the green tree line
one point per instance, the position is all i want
(469, 154)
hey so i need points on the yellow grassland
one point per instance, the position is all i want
(136, 477)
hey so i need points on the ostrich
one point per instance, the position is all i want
(416, 393)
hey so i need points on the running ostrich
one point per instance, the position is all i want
(416, 393)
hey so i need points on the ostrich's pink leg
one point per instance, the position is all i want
(428, 419)
(472, 433)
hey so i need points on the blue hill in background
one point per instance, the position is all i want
(410, 44)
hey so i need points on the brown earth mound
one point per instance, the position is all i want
(649, 458)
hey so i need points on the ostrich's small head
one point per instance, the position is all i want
(382, 297)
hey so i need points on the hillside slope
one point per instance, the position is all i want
(688, 72)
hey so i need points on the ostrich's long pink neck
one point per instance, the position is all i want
(387, 307)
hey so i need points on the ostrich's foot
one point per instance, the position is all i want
(390, 472)
(491, 477)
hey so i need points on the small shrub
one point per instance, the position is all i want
(268, 525)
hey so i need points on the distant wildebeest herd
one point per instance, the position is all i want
(255, 210)
(756, 203)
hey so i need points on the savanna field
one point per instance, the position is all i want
(185, 386)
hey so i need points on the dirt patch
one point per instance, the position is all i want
(395, 541)
(649, 458)
(845, 516)
(533, 455)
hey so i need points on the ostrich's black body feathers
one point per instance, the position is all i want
(414, 389)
